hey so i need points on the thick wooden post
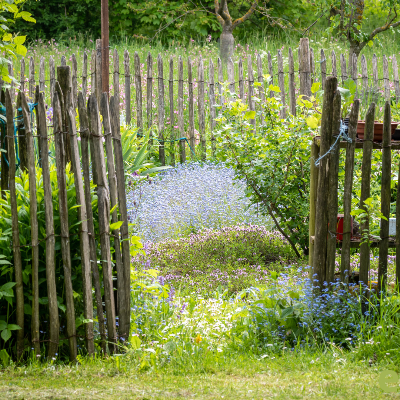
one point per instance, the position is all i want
(292, 88)
(321, 212)
(104, 215)
(213, 111)
(182, 142)
(19, 289)
(201, 109)
(84, 129)
(313, 199)
(385, 198)
(348, 188)
(171, 109)
(112, 181)
(305, 68)
(192, 138)
(366, 189)
(63, 215)
(127, 88)
(333, 204)
(123, 210)
(138, 87)
(54, 324)
(161, 109)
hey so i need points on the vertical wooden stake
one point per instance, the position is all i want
(260, 78)
(74, 87)
(385, 198)
(386, 78)
(104, 213)
(292, 88)
(213, 110)
(396, 77)
(63, 214)
(54, 324)
(241, 81)
(334, 68)
(161, 109)
(116, 88)
(252, 105)
(171, 109)
(312, 65)
(31, 78)
(375, 70)
(84, 125)
(305, 68)
(99, 83)
(19, 289)
(84, 74)
(323, 69)
(182, 142)
(19, 122)
(281, 80)
(313, 199)
(220, 82)
(321, 212)
(123, 210)
(364, 74)
(271, 74)
(343, 68)
(202, 116)
(5, 170)
(231, 76)
(127, 88)
(192, 138)
(12, 85)
(22, 76)
(138, 87)
(348, 188)
(149, 92)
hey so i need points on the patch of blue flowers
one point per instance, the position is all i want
(189, 198)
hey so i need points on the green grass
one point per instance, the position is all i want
(326, 375)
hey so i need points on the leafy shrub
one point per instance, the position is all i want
(189, 198)
(233, 258)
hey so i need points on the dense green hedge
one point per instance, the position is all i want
(63, 19)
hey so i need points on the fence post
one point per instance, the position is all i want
(260, 78)
(354, 72)
(104, 213)
(19, 289)
(231, 76)
(54, 325)
(281, 80)
(213, 111)
(292, 89)
(182, 142)
(63, 87)
(138, 87)
(312, 66)
(34, 224)
(127, 73)
(334, 68)
(396, 78)
(5, 170)
(31, 78)
(123, 210)
(375, 70)
(191, 110)
(333, 203)
(63, 215)
(201, 109)
(52, 78)
(305, 68)
(348, 188)
(150, 93)
(112, 180)
(366, 189)
(19, 122)
(22, 76)
(364, 73)
(241, 82)
(84, 75)
(171, 109)
(252, 105)
(63, 61)
(74, 87)
(41, 75)
(116, 76)
(321, 211)
(386, 78)
(12, 88)
(84, 129)
(385, 197)
(220, 82)
(99, 84)
(343, 71)
(161, 109)
(271, 73)
(313, 200)
(323, 69)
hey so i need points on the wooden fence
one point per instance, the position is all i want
(324, 192)
(190, 111)
(108, 176)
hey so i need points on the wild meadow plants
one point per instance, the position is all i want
(189, 198)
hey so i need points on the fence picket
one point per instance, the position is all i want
(271, 74)
(334, 67)
(99, 85)
(220, 82)
(127, 73)
(305, 68)
(201, 105)
(292, 89)
(364, 74)
(343, 71)
(281, 80)
(260, 78)
(171, 109)
(375, 70)
(138, 89)
(386, 77)
(181, 126)
(22, 75)
(241, 82)
(191, 109)
(161, 109)
(93, 73)
(312, 65)
(323, 69)
(74, 78)
(213, 111)
(149, 91)
(396, 77)
(84, 75)
(252, 105)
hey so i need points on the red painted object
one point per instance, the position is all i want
(339, 227)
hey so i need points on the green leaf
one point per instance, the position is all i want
(249, 115)
(19, 39)
(5, 334)
(13, 327)
(135, 342)
(8, 286)
(3, 325)
(286, 312)
(116, 225)
(312, 122)
(315, 87)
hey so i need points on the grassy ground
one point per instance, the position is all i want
(309, 376)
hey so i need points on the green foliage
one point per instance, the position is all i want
(272, 159)
(11, 45)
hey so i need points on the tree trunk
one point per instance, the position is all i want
(226, 44)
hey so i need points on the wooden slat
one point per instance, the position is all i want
(31, 78)
(139, 96)
(241, 81)
(171, 110)
(52, 78)
(396, 77)
(19, 122)
(149, 91)
(191, 108)
(104, 214)
(12, 84)
(99, 85)
(375, 70)
(334, 67)
(364, 73)
(19, 288)
(260, 79)
(181, 126)
(201, 105)
(64, 224)
(231, 76)
(116, 87)
(313, 199)
(74, 78)
(323, 69)
(4, 160)
(271, 74)
(161, 109)
(22, 75)
(343, 69)
(321, 211)
(386, 77)
(127, 88)
(123, 210)
(213, 111)
(292, 88)
(220, 82)
(93, 73)
(305, 68)
(84, 74)
(252, 104)
(84, 127)
(385, 197)
(281, 80)
(348, 189)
